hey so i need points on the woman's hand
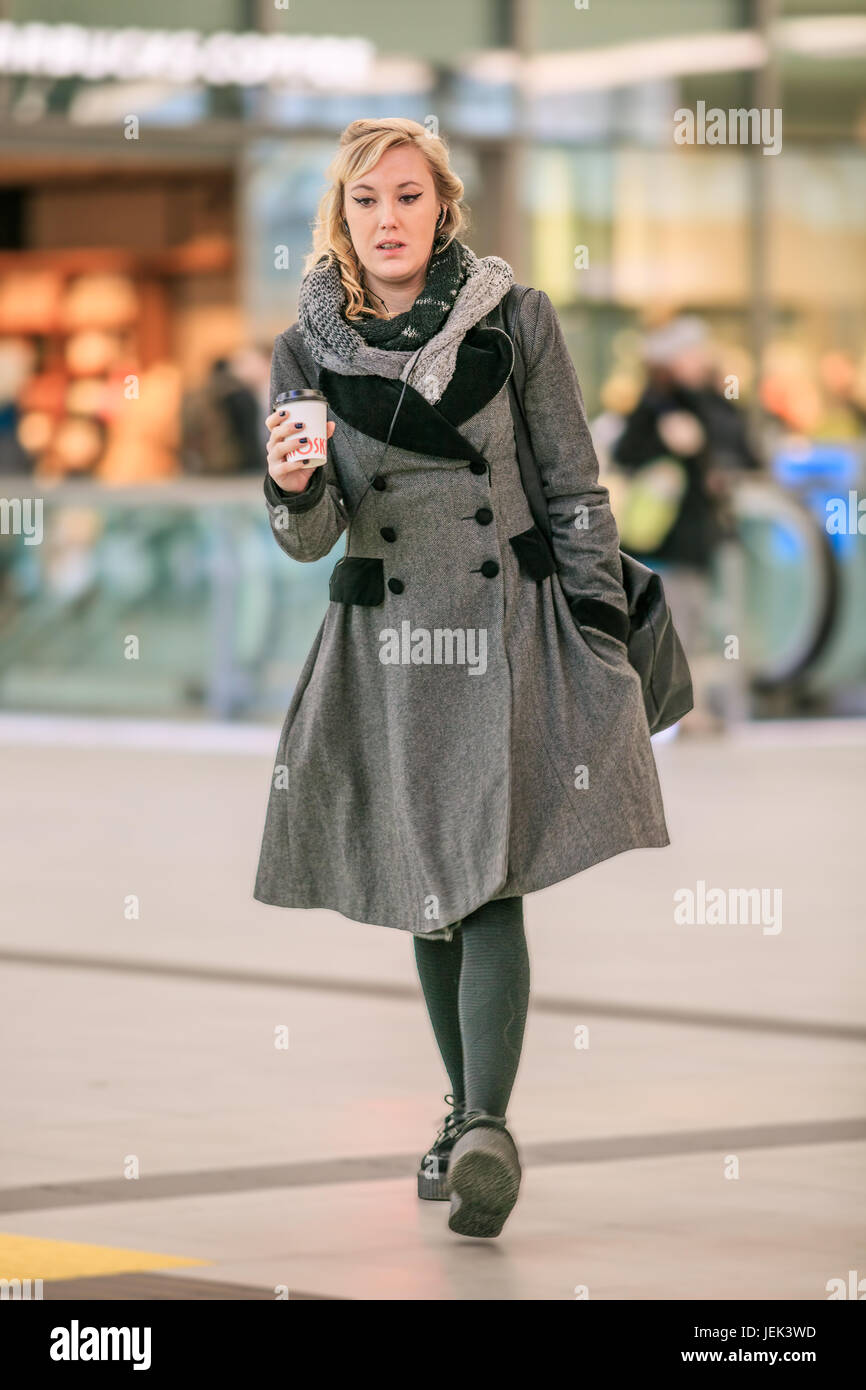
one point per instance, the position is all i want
(287, 467)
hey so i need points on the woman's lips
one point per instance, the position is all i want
(391, 250)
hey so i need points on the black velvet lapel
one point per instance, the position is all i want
(482, 369)
(367, 403)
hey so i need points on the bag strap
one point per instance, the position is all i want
(529, 474)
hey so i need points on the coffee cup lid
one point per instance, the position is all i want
(305, 394)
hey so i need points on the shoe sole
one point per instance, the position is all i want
(484, 1180)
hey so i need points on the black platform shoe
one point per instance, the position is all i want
(483, 1175)
(433, 1170)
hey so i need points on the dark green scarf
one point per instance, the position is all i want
(446, 274)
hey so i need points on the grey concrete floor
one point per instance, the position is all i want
(713, 1049)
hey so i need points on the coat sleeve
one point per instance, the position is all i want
(306, 524)
(585, 538)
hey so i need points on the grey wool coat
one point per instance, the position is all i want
(455, 735)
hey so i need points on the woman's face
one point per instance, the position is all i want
(392, 212)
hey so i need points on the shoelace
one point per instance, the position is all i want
(451, 1121)
(458, 1118)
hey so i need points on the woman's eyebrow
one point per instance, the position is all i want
(404, 184)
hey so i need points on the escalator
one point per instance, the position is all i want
(804, 585)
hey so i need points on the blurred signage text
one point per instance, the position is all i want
(181, 55)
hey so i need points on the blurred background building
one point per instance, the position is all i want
(159, 169)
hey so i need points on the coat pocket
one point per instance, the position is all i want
(604, 617)
(605, 646)
(357, 579)
(533, 553)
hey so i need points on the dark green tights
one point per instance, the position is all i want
(476, 988)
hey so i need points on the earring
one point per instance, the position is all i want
(438, 241)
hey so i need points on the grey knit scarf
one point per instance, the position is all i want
(446, 274)
(335, 344)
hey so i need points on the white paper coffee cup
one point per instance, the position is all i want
(311, 407)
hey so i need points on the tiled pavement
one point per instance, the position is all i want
(148, 1046)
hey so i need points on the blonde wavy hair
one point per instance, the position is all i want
(361, 146)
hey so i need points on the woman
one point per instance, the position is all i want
(454, 740)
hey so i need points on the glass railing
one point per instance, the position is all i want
(174, 600)
(170, 599)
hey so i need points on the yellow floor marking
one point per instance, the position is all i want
(29, 1257)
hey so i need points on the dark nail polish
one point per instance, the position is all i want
(303, 439)
(298, 425)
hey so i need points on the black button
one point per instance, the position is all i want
(477, 467)
(490, 569)
(379, 483)
(484, 516)
(396, 586)
(388, 533)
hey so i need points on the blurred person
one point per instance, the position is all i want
(619, 396)
(424, 794)
(812, 399)
(845, 412)
(683, 416)
(17, 362)
(251, 364)
(790, 394)
(221, 429)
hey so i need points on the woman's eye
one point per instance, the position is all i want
(405, 197)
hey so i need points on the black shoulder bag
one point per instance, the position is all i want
(654, 649)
